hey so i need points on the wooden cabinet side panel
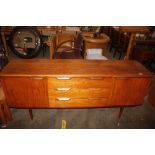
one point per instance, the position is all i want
(151, 97)
(130, 91)
(25, 92)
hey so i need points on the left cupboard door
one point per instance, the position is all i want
(26, 92)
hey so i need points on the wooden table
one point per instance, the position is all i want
(132, 30)
(74, 83)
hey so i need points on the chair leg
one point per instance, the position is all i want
(110, 48)
(114, 53)
(120, 112)
(43, 50)
(7, 112)
(120, 55)
(2, 115)
(150, 65)
(31, 114)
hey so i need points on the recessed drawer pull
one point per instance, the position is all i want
(63, 78)
(63, 99)
(94, 88)
(63, 89)
(95, 98)
(121, 78)
(96, 78)
(37, 78)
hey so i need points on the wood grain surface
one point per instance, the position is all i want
(75, 68)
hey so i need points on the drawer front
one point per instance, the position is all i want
(79, 103)
(78, 93)
(94, 82)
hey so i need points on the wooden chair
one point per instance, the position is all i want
(146, 56)
(107, 30)
(114, 39)
(122, 45)
(5, 113)
(64, 37)
(69, 49)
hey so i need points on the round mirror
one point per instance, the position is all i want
(25, 42)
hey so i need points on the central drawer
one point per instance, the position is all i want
(79, 103)
(92, 82)
(78, 93)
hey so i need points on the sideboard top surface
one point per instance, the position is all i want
(74, 68)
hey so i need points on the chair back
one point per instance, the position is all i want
(62, 37)
(115, 36)
(123, 40)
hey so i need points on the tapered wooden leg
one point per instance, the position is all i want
(130, 46)
(7, 112)
(2, 116)
(31, 114)
(120, 112)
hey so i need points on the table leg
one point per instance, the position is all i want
(2, 116)
(50, 44)
(7, 111)
(51, 52)
(130, 46)
(31, 114)
(120, 112)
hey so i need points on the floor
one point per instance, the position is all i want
(140, 117)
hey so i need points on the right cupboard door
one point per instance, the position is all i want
(129, 91)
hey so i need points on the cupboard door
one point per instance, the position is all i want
(26, 92)
(129, 91)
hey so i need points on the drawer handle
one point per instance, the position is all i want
(94, 88)
(63, 99)
(96, 78)
(63, 89)
(63, 78)
(37, 78)
(121, 78)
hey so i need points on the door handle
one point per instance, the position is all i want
(63, 98)
(37, 78)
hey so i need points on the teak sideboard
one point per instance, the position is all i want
(74, 83)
